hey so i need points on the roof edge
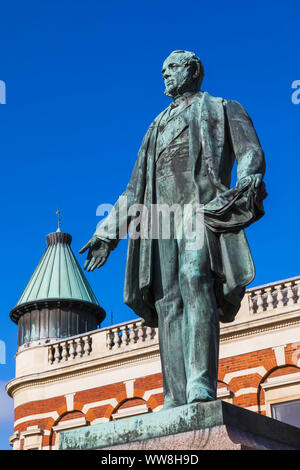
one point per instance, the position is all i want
(21, 309)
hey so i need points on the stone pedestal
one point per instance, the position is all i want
(200, 426)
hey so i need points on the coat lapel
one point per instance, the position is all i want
(195, 132)
(168, 132)
(212, 130)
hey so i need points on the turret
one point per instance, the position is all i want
(58, 301)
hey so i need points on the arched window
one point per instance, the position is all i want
(282, 394)
(224, 392)
(131, 407)
(73, 419)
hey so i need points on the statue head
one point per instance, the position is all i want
(182, 72)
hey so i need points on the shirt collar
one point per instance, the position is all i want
(185, 98)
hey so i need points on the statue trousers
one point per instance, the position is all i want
(188, 320)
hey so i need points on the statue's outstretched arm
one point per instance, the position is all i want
(113, 228)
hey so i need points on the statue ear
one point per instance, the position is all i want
(196, 67)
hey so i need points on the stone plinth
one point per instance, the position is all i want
(201, 426)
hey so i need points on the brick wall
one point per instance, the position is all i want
(242, 375)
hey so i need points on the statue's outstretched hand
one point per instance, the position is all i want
(98, 253)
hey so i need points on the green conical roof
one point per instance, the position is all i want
(58, 274)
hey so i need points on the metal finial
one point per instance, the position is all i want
(59, 220)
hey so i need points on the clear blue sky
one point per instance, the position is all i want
(83, 84)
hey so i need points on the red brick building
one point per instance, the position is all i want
(110, 373)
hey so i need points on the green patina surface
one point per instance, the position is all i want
(183, 288)
(181, 419)
(166, 422)
(58, 276)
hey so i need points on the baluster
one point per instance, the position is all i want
(290, 293)
(83, 346)
(64, 354)
(119, 337)
(50, 354)
(109, 339)
(280, 296)
(297, 284)
(269, 299)
(71, 349)
(259, 301)
(154, 333)
(140, 332)
(123, 338)
(56, 352)
(116, 338)
(86, 346)
(122, 341)
(148, 332)
(132, 327)
(250, 302)
(78, 343)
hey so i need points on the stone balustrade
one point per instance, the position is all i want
(274, 296)
(128, 334)
(103, 342)
(71, 348)
(259, 302)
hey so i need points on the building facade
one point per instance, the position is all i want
(66, 381)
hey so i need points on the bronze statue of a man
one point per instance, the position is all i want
(187, 157)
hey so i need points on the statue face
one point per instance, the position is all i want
(178, 76)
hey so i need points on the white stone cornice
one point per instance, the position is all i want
(280, 380)
(149, 393)
(32, 431)
(260, 370)
(223, 393)
(84, 368)
(111, 401)
(14, 437)
(266, 339)
(131, 411)
(99, 421)
(260, 325)
(71, 423)
(51, 414)
(245, 391)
